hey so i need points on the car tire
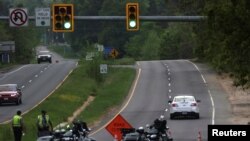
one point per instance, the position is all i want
(18, 102)
(197, 116)
(171, 116)
(38, 62)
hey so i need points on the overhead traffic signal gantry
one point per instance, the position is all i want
(63, 18)
(132, 16)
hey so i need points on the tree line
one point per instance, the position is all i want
(222, 40)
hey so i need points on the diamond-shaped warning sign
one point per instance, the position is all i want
(115, 126)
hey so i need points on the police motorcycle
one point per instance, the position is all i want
(154, 135)
(74, 133)
(132, 134)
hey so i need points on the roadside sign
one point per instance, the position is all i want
(90, 56)
(115, 126)
(103, 68)
(114, 53)
(42, 16)
(18, 17)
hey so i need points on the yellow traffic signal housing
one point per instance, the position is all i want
(132, 16)
(63, 18)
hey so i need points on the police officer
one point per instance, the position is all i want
(163, 124)
(44, 123)
(18, 126)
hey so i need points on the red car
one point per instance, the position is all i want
(10, 93)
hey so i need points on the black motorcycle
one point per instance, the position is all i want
(68, 134)
(154, 135)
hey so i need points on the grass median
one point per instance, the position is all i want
(71, 95)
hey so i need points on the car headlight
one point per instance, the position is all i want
(12, 95)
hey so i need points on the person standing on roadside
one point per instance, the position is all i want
(44, 124)
(18, 126)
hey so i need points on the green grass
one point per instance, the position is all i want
(71, 95)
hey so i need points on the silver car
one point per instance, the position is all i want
(184, 106)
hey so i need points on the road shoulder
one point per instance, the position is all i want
(222, 106)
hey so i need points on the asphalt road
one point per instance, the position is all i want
(156, 82)
(36, 81)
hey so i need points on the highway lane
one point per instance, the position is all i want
(37, 81)
(157, 81)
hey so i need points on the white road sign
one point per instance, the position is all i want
(42, 16)
(18, 17)
(103, 68)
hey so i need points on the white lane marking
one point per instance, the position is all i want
(36, 75)
(169, 70)
(8, 73)
(169, 90)
(168, 73)
(126, 104)
(210, 95)
(30, 81)
(22, 86)
(166, 109)
(41, 71)
(169, 84)
(169, 79)
(213, 112)
(45, 68)
(16, 70)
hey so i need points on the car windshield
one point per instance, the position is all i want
(43, 52)
(7, 88)
(184, 99)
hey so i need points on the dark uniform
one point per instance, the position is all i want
(17, 126)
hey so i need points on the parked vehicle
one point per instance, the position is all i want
(10, 93)
(154, 135)
(150, 134)
(68, 134)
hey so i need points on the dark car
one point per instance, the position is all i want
(44, 56)
(10, 93)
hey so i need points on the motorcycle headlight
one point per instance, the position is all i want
(153, 136)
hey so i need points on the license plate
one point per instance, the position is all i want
(184, 113)
(5, 99)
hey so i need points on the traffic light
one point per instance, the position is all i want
(63, 18)
(132, 16)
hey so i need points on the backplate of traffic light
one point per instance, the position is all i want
(63, 18)
(132, 16)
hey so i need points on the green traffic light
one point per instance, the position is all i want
(67, 25)
(132, 24)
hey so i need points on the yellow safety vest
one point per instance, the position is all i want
(17, 121)
(40, 120)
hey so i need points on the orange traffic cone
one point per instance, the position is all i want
(199, 137)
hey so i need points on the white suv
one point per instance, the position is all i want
(184, 105)
(44, 56)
